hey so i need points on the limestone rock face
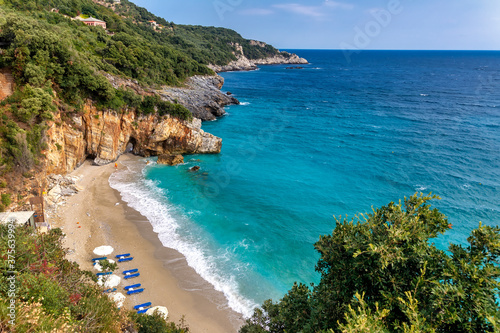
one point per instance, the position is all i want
(6, 83)
(201, 96)
(279, 59)
(170, 159)
(105, 135)
(242, 63)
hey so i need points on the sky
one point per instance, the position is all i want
(346, 24)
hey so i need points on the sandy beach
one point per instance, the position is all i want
(97, 216)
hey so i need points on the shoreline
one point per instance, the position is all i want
(97, 216)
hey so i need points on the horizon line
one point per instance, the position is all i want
(361, 50)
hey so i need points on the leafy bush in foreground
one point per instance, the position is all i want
(380, 273)
(53, 294)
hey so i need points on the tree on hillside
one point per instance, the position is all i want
(380, 273)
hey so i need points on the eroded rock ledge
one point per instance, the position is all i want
(105, 135)
(242, 63)
(201, 95)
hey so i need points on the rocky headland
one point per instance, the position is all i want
(243, 63)
(201, 95)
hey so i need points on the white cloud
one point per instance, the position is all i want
(257, 11)
(313, 11)
(335, 4)
(319, 11)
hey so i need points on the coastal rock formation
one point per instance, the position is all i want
(6, 83)
(201, 96)
(105, 135)
(242, 63)
(60, 188)
(170, 159)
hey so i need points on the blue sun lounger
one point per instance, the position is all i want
(131, 276)
(121, 256)
(130, 271)
(135, 291)
(109, 290)
(132, 286)
(143, 311)
(104, 273)
(143, 305)
(125, 259)
(99, 259)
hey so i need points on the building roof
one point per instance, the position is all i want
(18, 217)
(92, 19)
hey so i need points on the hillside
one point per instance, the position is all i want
(55, 69)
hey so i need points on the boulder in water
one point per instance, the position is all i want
(170, 159)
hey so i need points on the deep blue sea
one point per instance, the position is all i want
(334, 138)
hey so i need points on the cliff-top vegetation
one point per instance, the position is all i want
(59, 64)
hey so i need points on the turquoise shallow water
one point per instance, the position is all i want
(333, 138)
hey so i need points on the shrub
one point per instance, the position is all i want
(108, 266)
(6, 199)
(36, 103)
(53, 294)
(382, 272)
(156, 324)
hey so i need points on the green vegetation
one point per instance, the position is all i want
(53, 294)
(135, 50)
(108, 266)
(6, 199)
(59, 64)
(380, 273)
(156, 324)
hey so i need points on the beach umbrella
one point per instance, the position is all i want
(98, 267)
(103, 250)
(109, 281)
(118, 298)
(162, 311)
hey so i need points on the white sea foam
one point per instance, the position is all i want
(420, 188)
(245, 103)
(147, 198)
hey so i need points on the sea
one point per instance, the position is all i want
(339, 136)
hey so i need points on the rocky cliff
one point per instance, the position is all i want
(242, 63)
(201, 95)
(104, 135)
(6, 83)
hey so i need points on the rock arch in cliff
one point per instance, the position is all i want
(132, 146)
